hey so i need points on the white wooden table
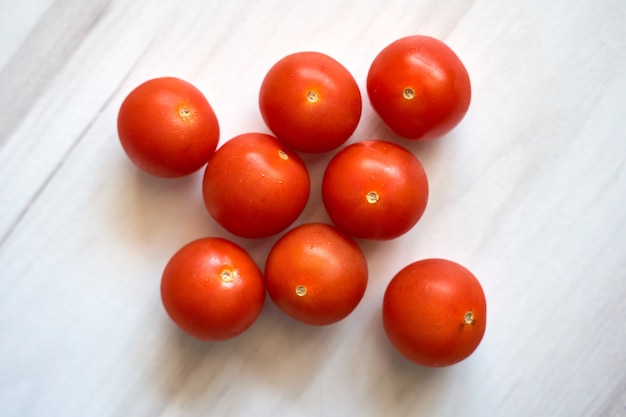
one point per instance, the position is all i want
(529, 192)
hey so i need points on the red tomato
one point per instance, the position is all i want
(167, 127)
(434, 312)
(310, 102)
(212, 289)
(419, 87)
(374, 190)
(254, 186)
(316, 274)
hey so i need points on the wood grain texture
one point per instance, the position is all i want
(528, 193)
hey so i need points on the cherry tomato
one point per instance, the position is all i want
(316, 274)
(374, 190)
(310, 102)
(167, 127)
(434, 312)
(212, 289)
(419, 87)
(254, 186)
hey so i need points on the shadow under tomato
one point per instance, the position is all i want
(426, 151)
(289, 352)
(187, 370)
(285, 359)
(154, 211)
(407, 386)
(314, 210)
(277, 354)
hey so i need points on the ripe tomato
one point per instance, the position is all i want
(419, 87)
(254, 186)
(310, 102)
(434, 312)
(374, 190)
(167, 127)
(316, 274)
(212, 289)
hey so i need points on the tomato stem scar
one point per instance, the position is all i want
(301, 290)
(408, 93)
(184, 112)
(311, 96)
(283, 155)
(227, 276)
(372, 197)
(469, 318)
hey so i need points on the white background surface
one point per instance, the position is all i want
(529, 193)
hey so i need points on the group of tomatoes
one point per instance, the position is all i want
(256, 185)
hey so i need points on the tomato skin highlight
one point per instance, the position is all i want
(212, 289)
(316, 274)
(167, 127)
(310, 102)
(434, 312)
(254, 186)
(419, 87)
(374, 189)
